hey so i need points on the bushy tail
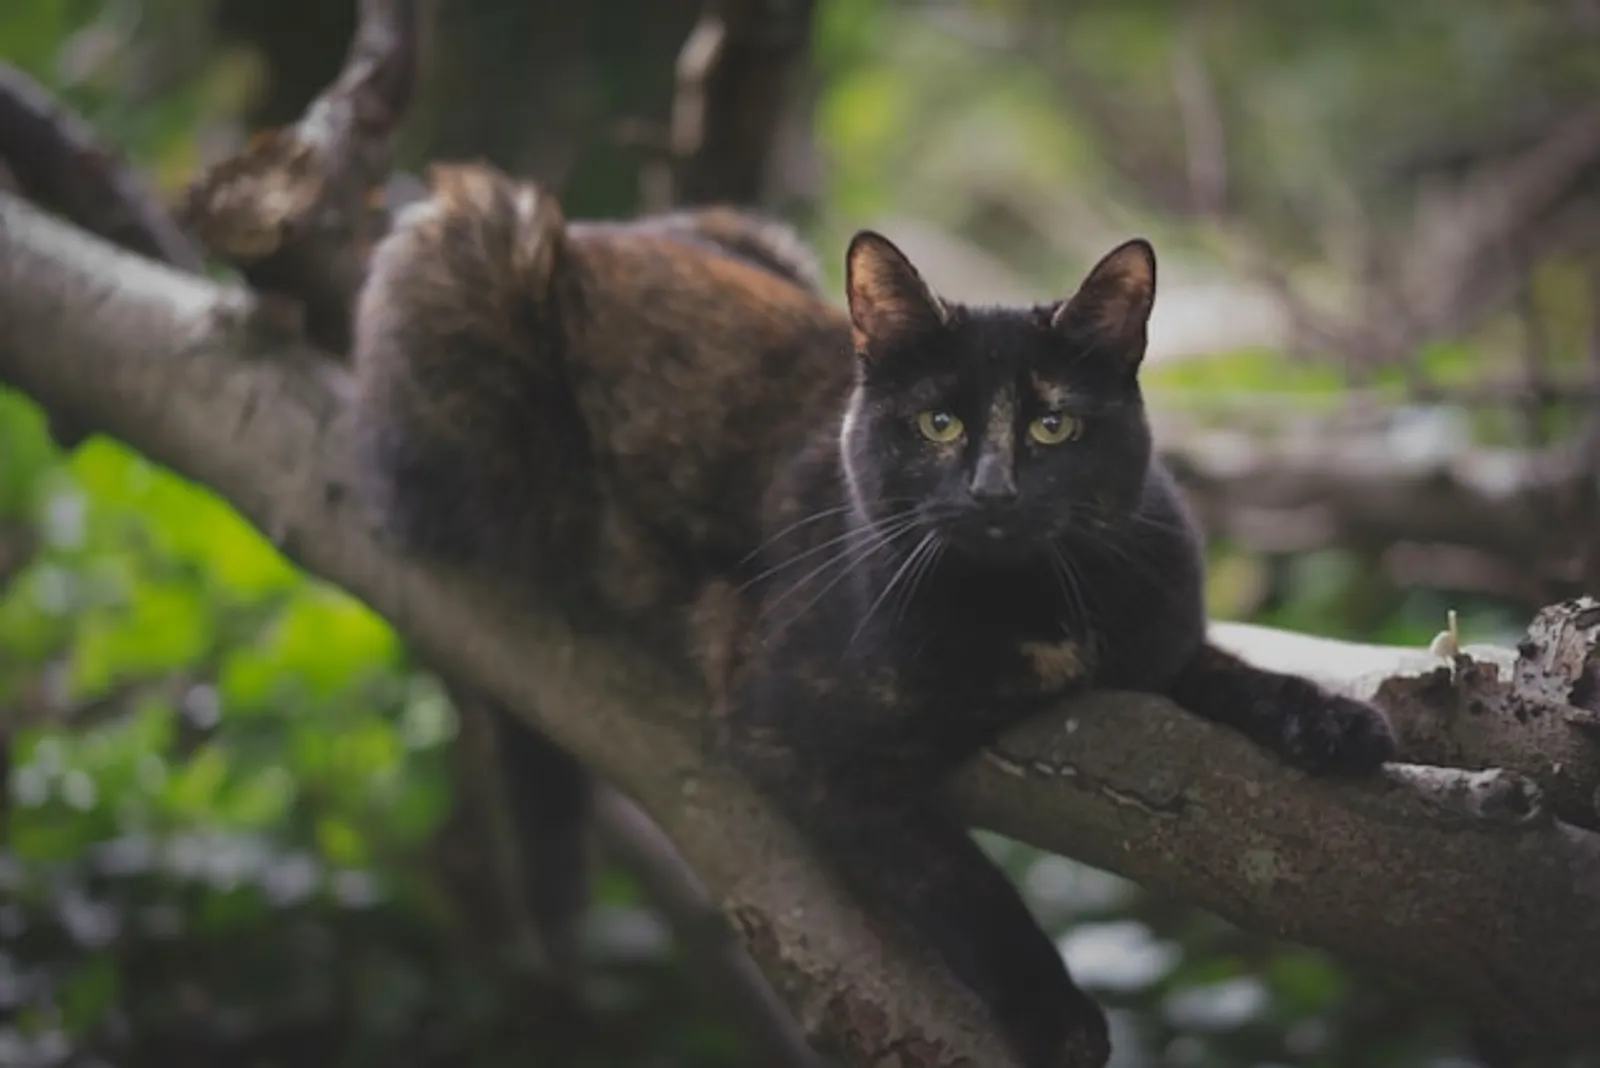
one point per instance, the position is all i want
(469, 447)
(468, 440)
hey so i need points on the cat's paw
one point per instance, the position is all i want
(1330, 734)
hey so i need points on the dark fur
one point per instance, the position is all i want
(660, 409)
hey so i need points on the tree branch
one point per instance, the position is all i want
(50, 154)
(300, 208)
(1488, 901)
(641, 847)
(59, 161)
(1374, 480)
(735, 77)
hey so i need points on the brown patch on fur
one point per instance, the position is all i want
(1055, 666)
(1052, 395)
(717, 620)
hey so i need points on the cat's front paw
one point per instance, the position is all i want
(1330, 734)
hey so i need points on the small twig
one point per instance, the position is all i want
(300, 207)
(650, 857)
(58, 160)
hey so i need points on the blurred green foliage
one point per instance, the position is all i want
(229, 785)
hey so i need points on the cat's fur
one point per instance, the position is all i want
(664, 418)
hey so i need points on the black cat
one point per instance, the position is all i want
(986, 532)
(964, 523)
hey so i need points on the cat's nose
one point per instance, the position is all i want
(992, 482)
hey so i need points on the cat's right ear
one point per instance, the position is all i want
(889, 301)
(1114, 303)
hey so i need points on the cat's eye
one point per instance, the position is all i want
(1054, 428)
(941, 427)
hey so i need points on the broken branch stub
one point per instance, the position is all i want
(299, 209)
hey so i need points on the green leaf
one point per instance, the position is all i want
(164, 628)
(191, 791)
(26, 447)
(264, 798)
(340, 842)
(88, 995)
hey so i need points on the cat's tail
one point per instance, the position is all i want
(468, 447)
(468, 441)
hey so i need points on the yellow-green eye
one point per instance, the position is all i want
(939, 426)
(1054, 428)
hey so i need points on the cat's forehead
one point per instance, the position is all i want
(1000, 332)
(1051, 384)
(1017, 348)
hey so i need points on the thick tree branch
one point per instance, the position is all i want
(50, 154)
(1472, 884)
(1392, 877)
(727, 970)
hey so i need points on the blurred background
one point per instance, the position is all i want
(232, 829)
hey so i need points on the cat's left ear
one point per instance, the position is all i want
(889, 301)
(1111, 309)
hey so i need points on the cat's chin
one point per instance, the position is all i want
(993, 546)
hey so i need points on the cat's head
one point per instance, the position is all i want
(999, 427)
